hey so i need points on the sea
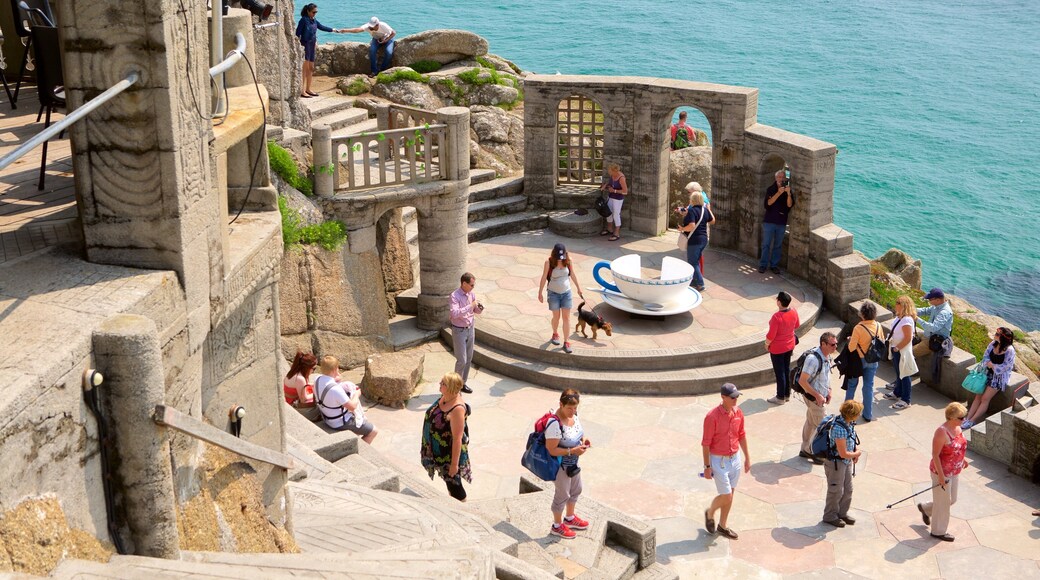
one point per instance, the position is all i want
(934, 105)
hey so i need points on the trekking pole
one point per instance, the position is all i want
(889, 506)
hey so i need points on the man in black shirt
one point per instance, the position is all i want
(779, 201)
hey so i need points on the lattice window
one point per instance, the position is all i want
(579, 141)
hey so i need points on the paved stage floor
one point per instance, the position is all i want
(738, 301)
(646, 457)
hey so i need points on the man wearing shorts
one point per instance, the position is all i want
(340, 402)
(725, 450)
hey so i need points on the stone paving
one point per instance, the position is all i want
(738, 300)
(645, 461)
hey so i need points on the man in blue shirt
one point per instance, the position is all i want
(936, 320)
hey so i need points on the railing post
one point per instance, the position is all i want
(455, 153)
(324, 164)
(382, 125)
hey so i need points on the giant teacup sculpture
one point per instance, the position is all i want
(664, 296)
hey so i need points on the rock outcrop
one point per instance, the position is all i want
(441, 46)
(903, 267)
(390, 379)
(408, 92)
(686, 165)
(497, 139)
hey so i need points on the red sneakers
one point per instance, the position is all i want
(563, 531)
(576, 523)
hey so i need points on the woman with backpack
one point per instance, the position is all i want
(999, 361)
(445, 437)
(866, 342)
(839, 466)
(564, 438)
(901, 343)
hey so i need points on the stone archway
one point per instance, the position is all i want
(579, 141)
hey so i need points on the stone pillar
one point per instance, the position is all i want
(239, 21)
(540, 150)
(443, 239)
(126, 348)
(321, 145)
(455, 153)
(143, 174)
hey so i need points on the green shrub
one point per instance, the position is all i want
(330, 234)
(357, 87)
(485, 63)
(403, 74)
(283, 165)
(425, 66)
(480, 76)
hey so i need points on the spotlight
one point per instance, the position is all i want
(261, 10)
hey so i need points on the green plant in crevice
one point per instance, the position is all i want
(330, 234)
(425, 66)
(484, 62)
(458, 96)
(404, 74)
(358, 86)
(282, 164)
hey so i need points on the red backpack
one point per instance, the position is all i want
(543, 422)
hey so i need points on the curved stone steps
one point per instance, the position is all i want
(676, 381)
(748, 347)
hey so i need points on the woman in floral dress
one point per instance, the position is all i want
(446, 437)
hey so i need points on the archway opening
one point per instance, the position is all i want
(771, 166)
(688, 141)
(579, 142)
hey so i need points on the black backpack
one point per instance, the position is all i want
(796, 371)
(876, 351)
(601, 206)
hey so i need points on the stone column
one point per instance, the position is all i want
(443, 234)
(540, 150)
(321, 145)
(126, 349)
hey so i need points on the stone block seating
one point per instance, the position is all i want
(572, 225)
(390, 379)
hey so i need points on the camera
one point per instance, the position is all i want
(785, 183)
(680, 209)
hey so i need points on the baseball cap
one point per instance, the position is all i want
(559, 250)
(934, 293)
(373, 22)
(730, 390)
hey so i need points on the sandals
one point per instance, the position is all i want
(305, 96)
(605, 233)
(613, 238)
(313, 94)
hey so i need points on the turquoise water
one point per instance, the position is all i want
(934, 106)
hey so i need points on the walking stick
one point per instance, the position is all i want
(889, 506)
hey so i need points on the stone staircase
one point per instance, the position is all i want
(996, 436)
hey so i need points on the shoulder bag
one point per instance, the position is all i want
(975, 381)
(684, 238)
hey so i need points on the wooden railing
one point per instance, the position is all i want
(395, 156)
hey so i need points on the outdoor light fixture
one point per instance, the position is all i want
(261, 10)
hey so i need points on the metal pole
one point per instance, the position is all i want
(216, 54)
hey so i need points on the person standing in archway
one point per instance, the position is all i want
(683, 135)
(779, 201)
(616, 188)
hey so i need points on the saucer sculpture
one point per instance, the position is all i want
(630, 292)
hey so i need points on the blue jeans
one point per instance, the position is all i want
(373, 53)
(869, 370)
(693, 256)
(782, 370)
(902, 389)
(772, 242)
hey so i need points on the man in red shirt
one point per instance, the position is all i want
(723, 432)
(689, 137)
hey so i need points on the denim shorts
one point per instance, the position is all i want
(559, 301)
(310, 51)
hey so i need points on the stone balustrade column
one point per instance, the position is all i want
(455, 153)
(127, 352)
(321, 144)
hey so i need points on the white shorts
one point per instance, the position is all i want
(725, 471)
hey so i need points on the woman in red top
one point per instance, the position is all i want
(780, 341)
(296, 387)
(948, 449)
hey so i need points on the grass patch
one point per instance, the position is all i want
(283, 165)
(458, 96)
(480, 76)
(425, 66)
(330, 234)
(485, 63)
(403, 74)
(357, 87)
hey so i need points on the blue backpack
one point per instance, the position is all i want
(823, 446)
(536, 458)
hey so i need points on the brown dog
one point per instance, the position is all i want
(593, 321)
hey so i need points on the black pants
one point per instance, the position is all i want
(782, 369)
(455, 488)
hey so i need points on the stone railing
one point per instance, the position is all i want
(401, 116)
(385, 157)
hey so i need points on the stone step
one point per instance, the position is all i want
(327, 105)
(341, 118)
(363, 126)
(408, 301)
(496, 188)
(656, 571)
(505, 225)
(479, 176)
(571, 225)
(404, 331)
(576, 197)
(499, 206)
(593, 359)
(613, 562)
(675, 381)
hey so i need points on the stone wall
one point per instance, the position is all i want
(637, 113)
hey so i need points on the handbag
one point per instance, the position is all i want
(935, 343)
(601, 206)
(684, 239)
(537, 460)
(975, 381)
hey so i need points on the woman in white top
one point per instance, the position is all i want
(901, 342)
(558, 275)
(564, 438)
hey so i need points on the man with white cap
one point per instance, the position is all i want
(723, 434)
(382, 36)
